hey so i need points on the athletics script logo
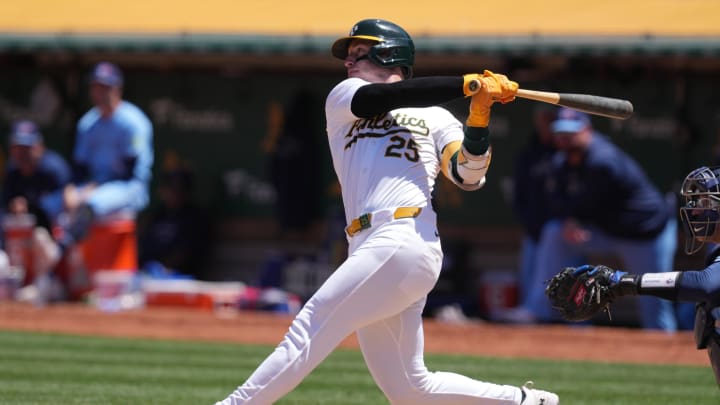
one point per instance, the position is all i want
(381, 126)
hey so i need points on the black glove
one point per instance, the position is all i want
(579, 293)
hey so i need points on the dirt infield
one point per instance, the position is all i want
(548, 342)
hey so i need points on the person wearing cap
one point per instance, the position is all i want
(602, 203)
(112, 158)
(32, 189)
(389, 140)
(34, 175)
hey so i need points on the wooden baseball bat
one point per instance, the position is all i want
(596, 105)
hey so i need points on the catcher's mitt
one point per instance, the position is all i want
(580, 293)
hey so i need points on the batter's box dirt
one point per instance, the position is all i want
(605, 344)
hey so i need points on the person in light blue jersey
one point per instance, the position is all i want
(112, 159)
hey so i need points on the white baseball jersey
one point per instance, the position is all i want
(390, 160)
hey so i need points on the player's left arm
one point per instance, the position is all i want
(379, 98)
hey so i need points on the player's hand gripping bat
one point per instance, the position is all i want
(596, 105)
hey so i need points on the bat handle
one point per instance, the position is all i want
(474, 86)
(544, 96)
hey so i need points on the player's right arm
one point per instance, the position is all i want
(466, 170)
(466, 163)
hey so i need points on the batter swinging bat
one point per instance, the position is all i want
(596, 105)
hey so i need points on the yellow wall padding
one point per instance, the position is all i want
(326, 17)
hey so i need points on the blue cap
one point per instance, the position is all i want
(569, 120)
(25, 133)
(107, 73)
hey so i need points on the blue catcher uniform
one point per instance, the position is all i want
(117, 154)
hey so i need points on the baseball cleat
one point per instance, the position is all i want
(538, 397)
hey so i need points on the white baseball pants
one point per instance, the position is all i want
(379, 292)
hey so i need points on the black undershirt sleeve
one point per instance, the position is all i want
(378, 98)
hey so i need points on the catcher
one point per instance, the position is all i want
(582, 292)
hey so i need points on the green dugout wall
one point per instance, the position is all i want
(222, 124)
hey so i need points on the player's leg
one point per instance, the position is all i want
(393, 351)
(112, 197)
(375, 282)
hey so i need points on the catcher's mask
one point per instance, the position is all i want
(700, 212)
(394, 46)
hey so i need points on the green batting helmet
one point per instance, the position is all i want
(394, 46)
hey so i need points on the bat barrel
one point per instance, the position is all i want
(597, 105)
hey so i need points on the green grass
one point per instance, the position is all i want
(40, 368)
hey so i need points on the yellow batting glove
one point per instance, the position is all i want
(506, 87)
(494, 87)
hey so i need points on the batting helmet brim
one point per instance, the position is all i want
(340, 46)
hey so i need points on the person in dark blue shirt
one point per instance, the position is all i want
(602, 202)
(34, 176)
(32, 196)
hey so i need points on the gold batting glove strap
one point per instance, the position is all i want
(493, 87)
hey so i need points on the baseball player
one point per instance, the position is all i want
(700, 215)
(389, 140)
(112, 158)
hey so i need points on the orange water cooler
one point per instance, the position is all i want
(111, 246)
